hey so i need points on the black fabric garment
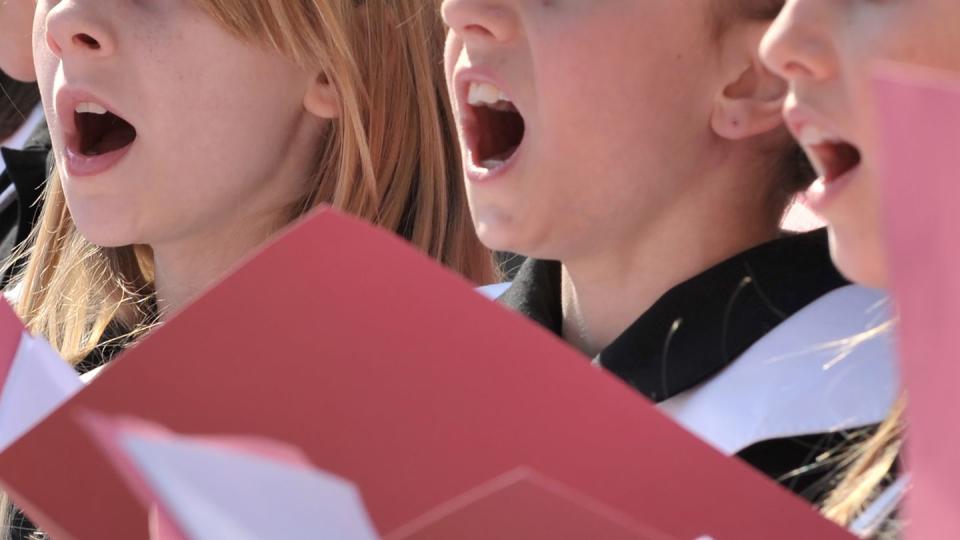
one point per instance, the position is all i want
(27, 170)
(702, 325)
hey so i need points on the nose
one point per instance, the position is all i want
(481, 22)
(797, 45)
(77, 28)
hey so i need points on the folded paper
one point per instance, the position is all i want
(34, 380)
(391, 372)
(918, 114)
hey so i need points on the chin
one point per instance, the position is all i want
(513, 231)
(496, 228)
(105, 235)
(495, 239)
(860, 262)
(107, 241)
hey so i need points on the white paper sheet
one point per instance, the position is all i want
(214, 492)
(493, 291)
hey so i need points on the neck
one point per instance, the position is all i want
(186, 268)
(605, 291)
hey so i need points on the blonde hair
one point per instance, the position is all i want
(868, 468)
(390, 159)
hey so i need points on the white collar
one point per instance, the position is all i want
(493, 291)
(806, 376)
(89, 376)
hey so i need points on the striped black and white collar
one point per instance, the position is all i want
(829, 368)
(699, 327)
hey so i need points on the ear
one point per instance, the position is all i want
(321, 98)
(751, 102)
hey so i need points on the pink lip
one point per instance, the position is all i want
(821, 193)
(468, 121)
(77, 164)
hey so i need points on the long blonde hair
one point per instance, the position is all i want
(869, 467)
(390, 159)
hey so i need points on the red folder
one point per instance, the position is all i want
(919, 121)
(10, 331)
(391, 372)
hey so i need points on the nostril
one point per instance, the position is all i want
(86, 40)
(479, 30)
(797, 69)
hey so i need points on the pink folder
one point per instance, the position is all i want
(11, 329)
(209, 488)
(919, 127)
(392, 373)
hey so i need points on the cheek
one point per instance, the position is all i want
(920, 32)
(451, 54)
(622, 90)
(230, 144)
(228, 109)
(15, 40)
(45, 62)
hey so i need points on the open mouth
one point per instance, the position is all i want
(99, 131)
(832, 156)
(495, 128)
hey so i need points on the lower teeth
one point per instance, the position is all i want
(491, 164)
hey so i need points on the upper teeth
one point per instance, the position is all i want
(93, 108)
(485, 94)
(812, 135)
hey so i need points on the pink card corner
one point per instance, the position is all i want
(11, 327)
(11, 333)
(918, 116)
